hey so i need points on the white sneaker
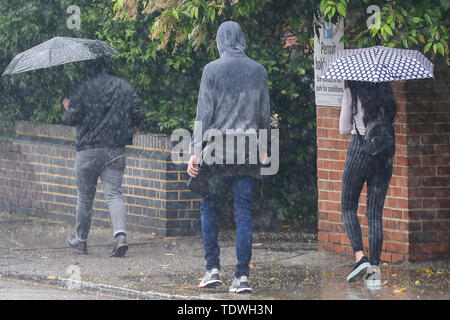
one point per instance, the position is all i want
(240, 285)
(211, 279)
(373, 278)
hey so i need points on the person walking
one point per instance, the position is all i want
(106, 111)
(363, 103)
(233, 95)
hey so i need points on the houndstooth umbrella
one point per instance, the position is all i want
(377, 64)
(57, 51)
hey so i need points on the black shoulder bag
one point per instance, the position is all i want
(379, 138)
(201, 185)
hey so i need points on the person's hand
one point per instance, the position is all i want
(66, 103)
(193, 166)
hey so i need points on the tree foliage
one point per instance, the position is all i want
(164, 45)
(279, 34)
(410, 24)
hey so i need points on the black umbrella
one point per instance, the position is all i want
(57, 51)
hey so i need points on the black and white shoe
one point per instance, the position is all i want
(373, 278)
(211, 279)
(119, 247)
(359, 270)
(240, 285)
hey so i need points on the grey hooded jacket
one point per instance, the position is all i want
(234, 90)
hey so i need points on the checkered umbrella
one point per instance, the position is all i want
(57, 51)
(377, 64)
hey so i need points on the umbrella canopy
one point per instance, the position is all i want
(377, 64)
(57, 51)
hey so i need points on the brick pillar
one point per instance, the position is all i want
(416, 216)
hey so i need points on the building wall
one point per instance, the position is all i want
(37, 178)
(416, 216)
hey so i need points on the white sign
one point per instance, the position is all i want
(328, 91)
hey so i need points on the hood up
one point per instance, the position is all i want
(231, 40)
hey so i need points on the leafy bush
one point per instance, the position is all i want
(166, 72)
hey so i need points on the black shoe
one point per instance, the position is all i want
(359, 270)
(119, 248)
(74, 243)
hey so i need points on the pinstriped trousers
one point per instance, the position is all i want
(376, 171)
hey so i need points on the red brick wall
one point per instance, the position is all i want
(427, 105)
(416, 216)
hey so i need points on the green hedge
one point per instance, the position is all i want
(167, 79)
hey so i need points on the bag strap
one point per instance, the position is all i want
(357, 131)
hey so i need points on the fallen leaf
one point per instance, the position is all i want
(399, 290)
(185, 287)
(51, 277)
(272, 279)
(169, 254)
(153, 234)
(167, 285)
(251, 266)
(424, 270)
(385, 264)
(257, 244)
(301, 263)
(384, 283)
(394, 275)
(165, 265)
(285, 226)
(329, 274)
(306, 280)
(417, 283)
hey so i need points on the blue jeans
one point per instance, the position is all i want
(242, 187)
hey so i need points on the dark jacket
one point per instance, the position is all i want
(234, 90)
(104, 109)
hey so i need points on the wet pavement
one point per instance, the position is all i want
(285, 266)
(12, 289)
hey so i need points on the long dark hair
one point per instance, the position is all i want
(377, 100)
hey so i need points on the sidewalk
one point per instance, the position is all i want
(284, 266)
